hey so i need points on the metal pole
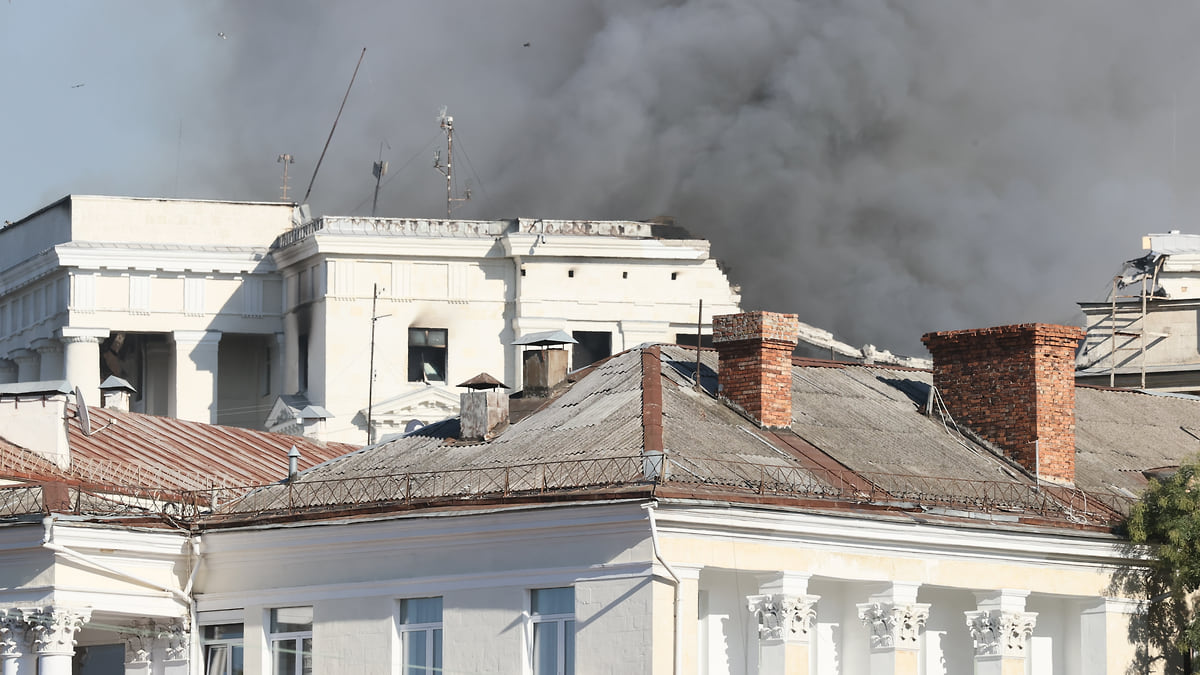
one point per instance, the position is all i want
(371, 367)
(699, 320)
(449, 124)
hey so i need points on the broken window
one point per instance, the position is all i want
(593, 346)
(427, 354)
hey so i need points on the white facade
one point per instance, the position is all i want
(213, 310)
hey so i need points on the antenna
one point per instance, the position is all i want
(371, 367)
(334, 127)
(447, 124)
(285, 159)
(81, 411)
(379, 170)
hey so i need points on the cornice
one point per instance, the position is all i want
(581, 246)
(898, 536)
(232, 260)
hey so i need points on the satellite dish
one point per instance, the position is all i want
(413, 425)
(81, 411)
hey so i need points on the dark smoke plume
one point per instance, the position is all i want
(882, 168)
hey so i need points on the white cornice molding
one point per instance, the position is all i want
(894, 536)
(198, 259)
(400, 587)
(580, 246)
(27, 271)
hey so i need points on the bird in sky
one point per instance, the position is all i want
(222, 36)
(526, 44)
(76, 86)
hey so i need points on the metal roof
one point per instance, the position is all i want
(133, 448)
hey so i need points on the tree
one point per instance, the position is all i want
(1168, 520)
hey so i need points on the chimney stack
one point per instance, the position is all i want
(755, 367)
(1015, 387)
(483, 410)
(115, 393)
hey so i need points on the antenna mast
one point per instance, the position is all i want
(285, 159)
(447, 124)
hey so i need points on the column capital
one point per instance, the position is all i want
(23, 356)
(196, 337)
(14, 633)
(780, 616)
(1000, 633)
(47, 346)
(894, 625)
(139, 643)
(177, 637)
(95, 334)
(54, 629)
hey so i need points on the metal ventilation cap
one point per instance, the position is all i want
(546, 338)
(484, 381)
(114, 382)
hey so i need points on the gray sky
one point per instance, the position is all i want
(881, 168)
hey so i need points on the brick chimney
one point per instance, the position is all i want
(1015, 387)
(755, 368)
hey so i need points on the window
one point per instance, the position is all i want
(223, 649)
(302, 362)
(426, 354)
(553, 616)
(291, 641)
(591, 346)
(421, 636)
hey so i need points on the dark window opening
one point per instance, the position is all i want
(571, 273)
(674, 276)
(302, 366)
(522, 271)
(689, 340)
(593, 346)
(427, 354)
(624, 275)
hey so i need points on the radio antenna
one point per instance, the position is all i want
(447, 124)
(334, 128)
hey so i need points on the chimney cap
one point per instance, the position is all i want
(546, 338)
(484, 381)
(294, 452)
(112, 382)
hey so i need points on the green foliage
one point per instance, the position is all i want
(1168, 519)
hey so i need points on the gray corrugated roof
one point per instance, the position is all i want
(859, 433)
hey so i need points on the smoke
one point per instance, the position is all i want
(881, 168)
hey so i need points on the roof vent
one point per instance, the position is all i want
(545, 367)
(115, 393)
(484, 409)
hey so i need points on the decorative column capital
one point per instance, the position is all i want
(139, 643)
(177, 637)
(894, 625)
(23, 357)
(14, 633)
(784, 617)
(1000, 632)
(45, 346)
(54, 629)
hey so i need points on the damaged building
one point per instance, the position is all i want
(245, 314)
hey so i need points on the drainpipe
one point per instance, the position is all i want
(678, 639)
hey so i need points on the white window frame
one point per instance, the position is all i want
(407, 630)
(295, 637)
(228, 643)
(560, 634)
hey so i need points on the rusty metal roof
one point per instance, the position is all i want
(135, 449)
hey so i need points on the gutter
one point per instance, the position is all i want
(677, 639)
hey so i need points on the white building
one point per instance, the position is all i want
(225, 312)
(1146, 334)
(816, 517)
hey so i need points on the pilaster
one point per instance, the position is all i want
(895, 622)
(785, 614)
(8, 371)
(1000, 631)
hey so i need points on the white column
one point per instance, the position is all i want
(278, 364)
(177, 643)
(785, 614)
(194, 393)
(50, 353)
(15, 658)
(53, 631)
(27, 364)
(8, 371)
(895, 621)
(82, 359)
(1000, 630)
